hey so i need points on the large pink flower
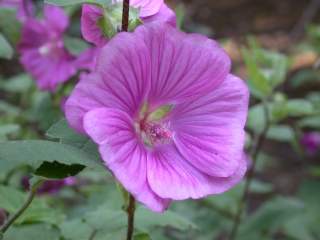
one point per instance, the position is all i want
(43, 53)
(166, 113)
(149, 11)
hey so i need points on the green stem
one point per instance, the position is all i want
(254, 155)
(130, 211)
(93, 234)
(225, 213)
(21, 210)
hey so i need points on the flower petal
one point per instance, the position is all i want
(89, 25)
(183, 65)
(32, 28)
(55, 18)
(165, 14)
(124, 64)
(47, 72)
(88, 94)
(86, 59)
(209, 131)
(147, 7)
(171, 176)
(121, 80)
(123, 154)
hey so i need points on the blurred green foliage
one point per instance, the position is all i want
(92, 209)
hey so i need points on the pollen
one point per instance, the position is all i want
(154, 130)
(156, 133)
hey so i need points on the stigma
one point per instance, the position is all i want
(153, 128)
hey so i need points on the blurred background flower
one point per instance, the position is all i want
(50, 186)
(311, 142)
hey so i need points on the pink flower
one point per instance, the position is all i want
(311, 142)
(42, 49)
(24, 7)
(52, 186)
(166, 113)
(150, 10)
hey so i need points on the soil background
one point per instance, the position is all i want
(229, 18)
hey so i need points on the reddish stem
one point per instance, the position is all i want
(125, 15)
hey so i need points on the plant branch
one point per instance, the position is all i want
(131, 204)
(125, 15)
(130, 211)
(254, 155)
(307, 16)
(14, 217)
(93, 234)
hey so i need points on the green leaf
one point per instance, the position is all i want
(17, 84)
(39, 211)
(75, 45)
(146, 220)
(314, 98)
(35, 231)
(42, 110)
(76, 229)
(228, 201)
(281, 133)
(260, 187)
(309, 193)
(278, 107)
(35, 152)
(257, 82)
(113, 222)
(297, 228)
(103, 221)
(310, 122)
(8, 129)
(6, 50)
(141, 236)
(8, 18)
(299, 107)
(266, 69)
(9, 109)
(278, 110)
(72, 2)
(256, 118)
(279, 64)
(304, 77)
(56, 170)
(67, 135)
(271, 216)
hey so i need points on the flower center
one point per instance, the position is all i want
(53, 48)
(153, 128)
(154, 133)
